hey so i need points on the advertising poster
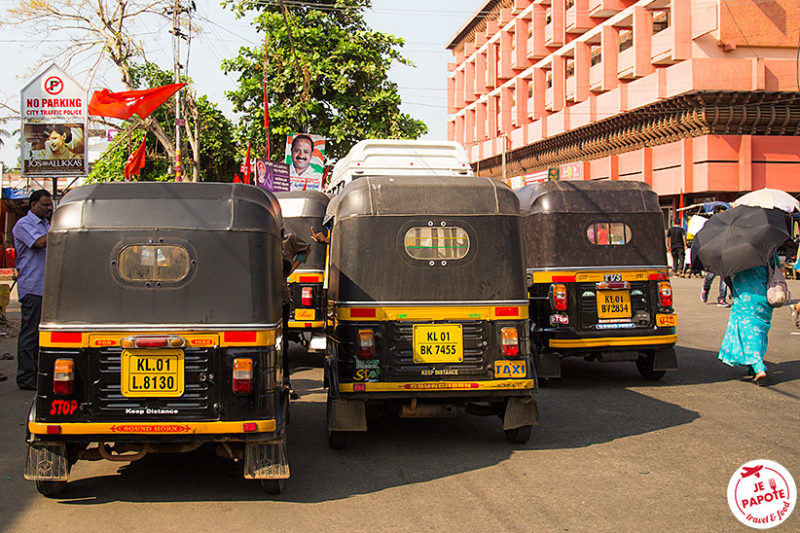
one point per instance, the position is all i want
(272, 176)
(305, 155)
(53, 129)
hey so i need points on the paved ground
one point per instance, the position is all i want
(613, 453)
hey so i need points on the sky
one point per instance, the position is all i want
(425, 26)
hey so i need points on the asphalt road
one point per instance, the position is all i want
(612, 453)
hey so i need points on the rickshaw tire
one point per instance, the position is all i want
(49, 489)
(273, 486)
(519, 435)
(644, 364)
(338, 440)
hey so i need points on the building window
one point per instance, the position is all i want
(548, 15)
(549, 80)
(660, 21)
(570, 3)
(530, 90)
(597, 55)
(625, 39)
(570, 68)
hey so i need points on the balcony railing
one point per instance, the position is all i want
(596, 78)
(625, 63)
(571, 88)
(662, 47)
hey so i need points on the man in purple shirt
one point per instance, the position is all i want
(30, 242)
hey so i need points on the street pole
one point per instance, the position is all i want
(176, 32)
(505, 141)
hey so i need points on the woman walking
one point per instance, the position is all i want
(745, 342)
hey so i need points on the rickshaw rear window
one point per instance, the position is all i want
(609, 233)
(434, 242)
(163, 262)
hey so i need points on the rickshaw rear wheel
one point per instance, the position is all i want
(519, 435)
(338, 440)
(273, 486)
(644, 364)
(50, 488)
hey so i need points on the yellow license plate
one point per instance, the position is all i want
(438, 343)
(304, 314)
(152, 373)
(666, 321)
(613, 304)
(510, 369)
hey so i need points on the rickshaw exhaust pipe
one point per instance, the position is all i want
(413, 409)
(105, 453)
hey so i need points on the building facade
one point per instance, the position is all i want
(700, 97)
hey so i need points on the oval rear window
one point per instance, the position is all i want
(609, 233)
(146, 262)
(446, 242)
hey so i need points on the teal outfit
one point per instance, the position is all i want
(745, 341)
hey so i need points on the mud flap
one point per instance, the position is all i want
(47, 463)
(521, 412)
(266, 460)
(346, 415)
(665, 359)
(548, 364)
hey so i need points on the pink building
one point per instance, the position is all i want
(699, 96)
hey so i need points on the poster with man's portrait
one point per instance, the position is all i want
(305, 155)
(53, 149)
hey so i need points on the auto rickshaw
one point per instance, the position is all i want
(160, 330)
(429, 305)
(303, 210)
(597, 275)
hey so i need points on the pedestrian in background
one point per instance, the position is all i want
(30, 242)
(676, 241)
(745, 341)
(722, 297)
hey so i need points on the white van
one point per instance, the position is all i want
(395, 157)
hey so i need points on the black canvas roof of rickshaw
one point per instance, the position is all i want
(419, 195)
(144, 205)
(588, 197)
(306, 204)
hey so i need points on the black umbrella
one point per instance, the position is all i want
(739, 239)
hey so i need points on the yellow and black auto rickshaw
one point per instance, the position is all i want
(160, 322)
(427, 290)
(597, 275)
(302, 211)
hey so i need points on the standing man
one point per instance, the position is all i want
(676, 241)
(30, 242)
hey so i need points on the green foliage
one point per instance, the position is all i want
(347, 96)
(217, 149)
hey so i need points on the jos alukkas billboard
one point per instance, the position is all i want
(54, 126)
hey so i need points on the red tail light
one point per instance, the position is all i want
(510, 342)
(665, 293)
(559, 297)
(64, 376)
(243, 375)
(307, 296)
(366, 343)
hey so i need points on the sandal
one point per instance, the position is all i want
(3, 377)
(6, 356)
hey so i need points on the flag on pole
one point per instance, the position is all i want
(681, 206)
(247, 165)
(124, 104)
(236, 178)
(266, 117)
(135, 161)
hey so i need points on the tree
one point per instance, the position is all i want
(209, 132)
(103, 30)
(330, 77)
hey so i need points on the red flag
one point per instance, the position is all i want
(247, 165)
(236, 178)
(266, 116)
(135, 161)
(681, 206)
(124, 104)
